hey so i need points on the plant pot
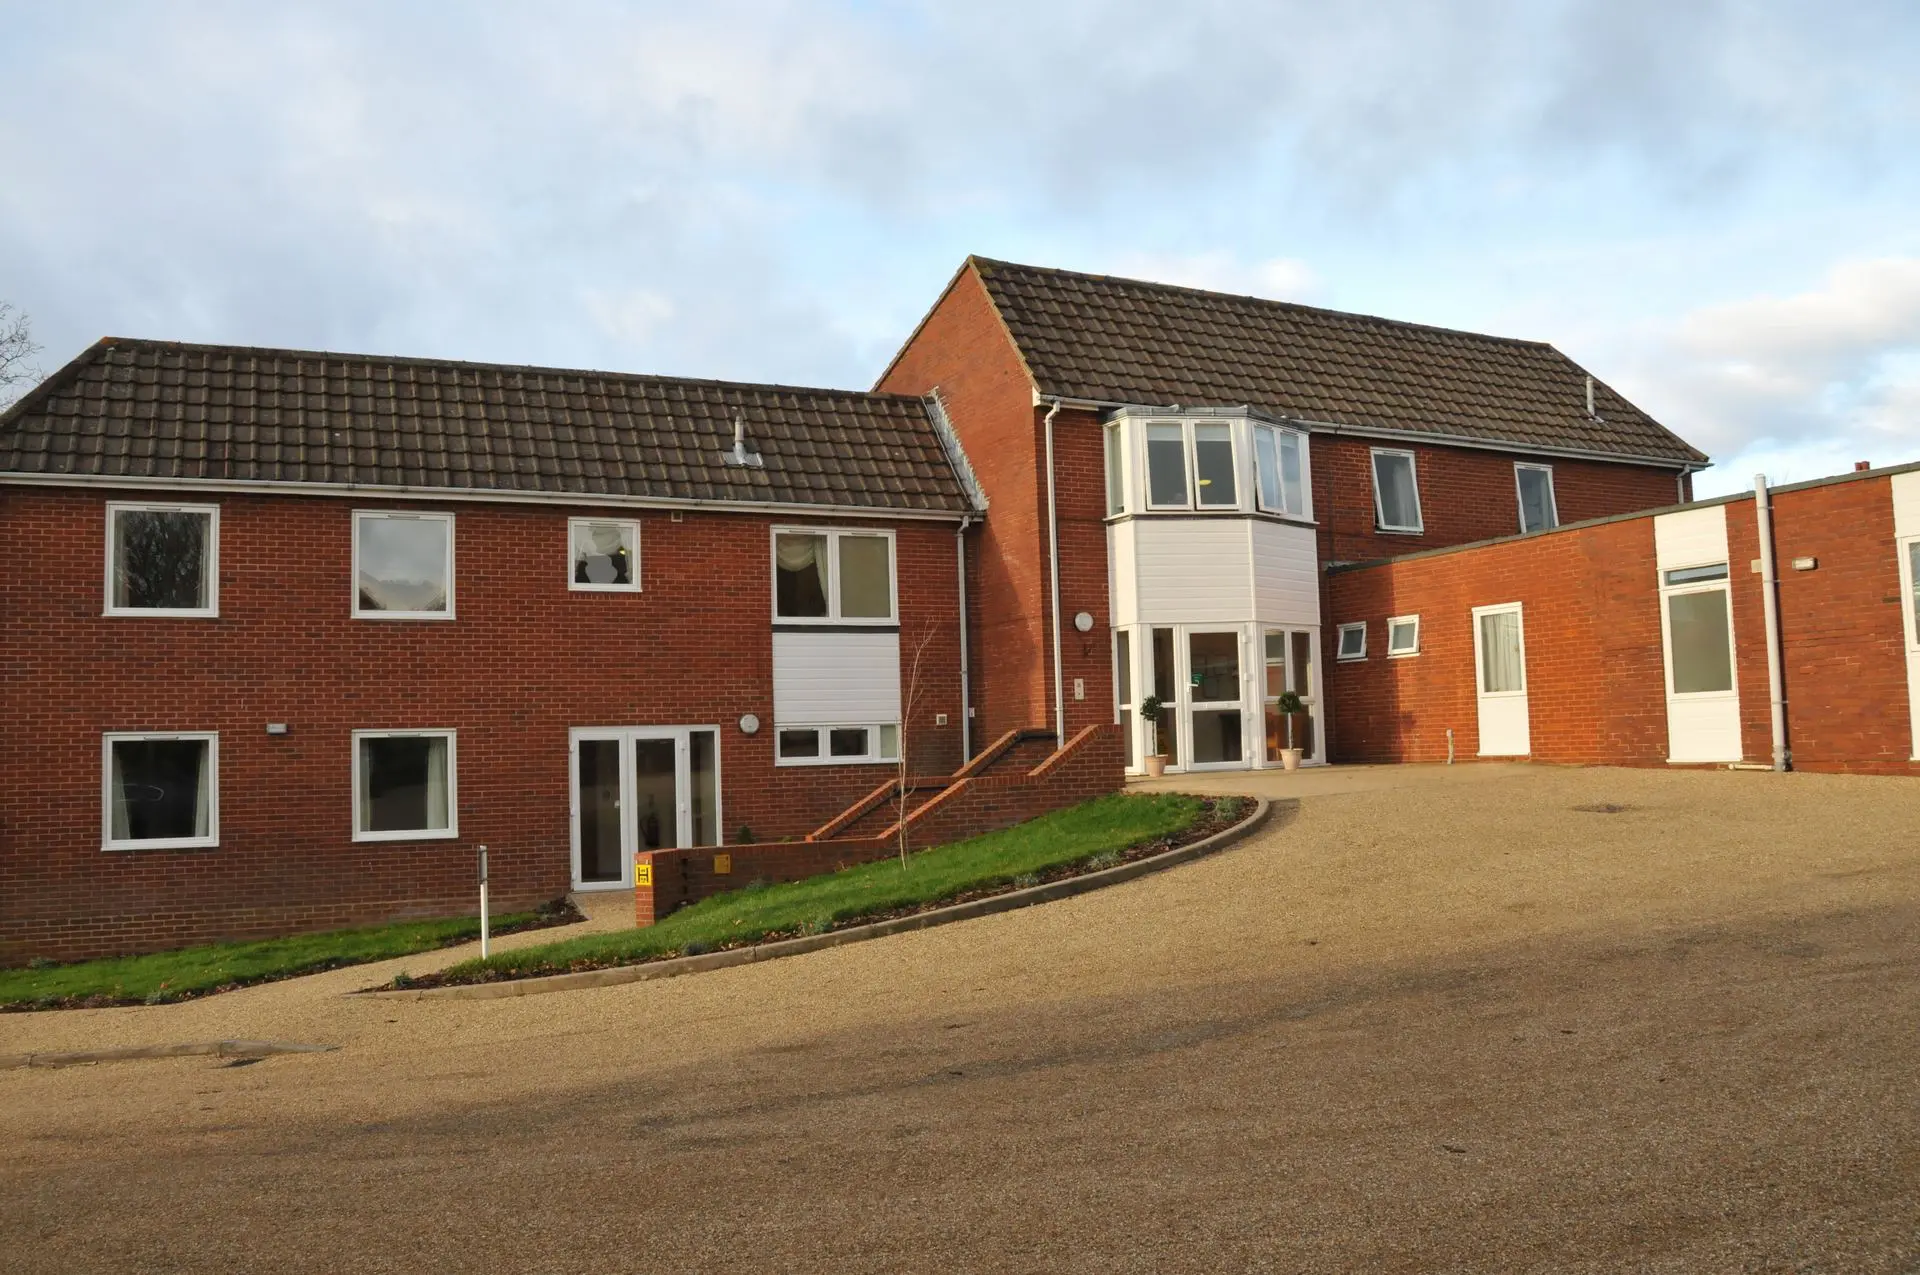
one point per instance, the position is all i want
(1290, 758)
(1156, 765)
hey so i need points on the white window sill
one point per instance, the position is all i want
(403, 615)
(1403, 655)
(603, 588)
(1400, 531)
(163, 843)
(837, 761)
(163, 613)
(410, 834)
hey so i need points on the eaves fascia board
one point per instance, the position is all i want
(358, 491)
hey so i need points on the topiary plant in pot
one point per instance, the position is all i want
(1290, 704)
(1154, 711)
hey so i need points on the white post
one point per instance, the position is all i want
(483, 903)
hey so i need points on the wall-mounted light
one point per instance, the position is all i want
(276, 728)
(749, 724)
(1083, 622)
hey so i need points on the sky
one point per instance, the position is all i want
(1714, 207)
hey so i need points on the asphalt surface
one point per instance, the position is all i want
(1439, 1020)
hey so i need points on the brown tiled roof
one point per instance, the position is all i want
(1125, 341)
(131, 409)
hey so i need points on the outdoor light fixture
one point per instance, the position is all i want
(276, 728)
(749, 724)
(1083, 622)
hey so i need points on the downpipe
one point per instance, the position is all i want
(1053, 576)
(1770, 589)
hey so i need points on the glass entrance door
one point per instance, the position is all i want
(1216, 722)
(1289, 662)
(641, 788)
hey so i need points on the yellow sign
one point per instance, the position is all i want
(722, 864)
(643, 872)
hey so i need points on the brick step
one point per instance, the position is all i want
(884, 815)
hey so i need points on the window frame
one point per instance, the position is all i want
(874, 755)
(833, 618)
(1233, 464)
(452, 831)
(574, 586)
(1115, 435)
(210, 564)
(1419, 527)
(1722, 584)
(209, 842)
(1280, 432)
(1340, 642)
(1520, 497)
(1401, 621)
(423, 515)
(1907, 548)
(1146, 463)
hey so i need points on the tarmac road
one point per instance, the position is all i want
(1440, 1020)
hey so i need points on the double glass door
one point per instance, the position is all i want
(1289, 661)
(640, 788)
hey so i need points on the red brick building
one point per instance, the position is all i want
(288, 635)
(1194, 462)
(1643, 640)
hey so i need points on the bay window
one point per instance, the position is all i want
(1277, 457)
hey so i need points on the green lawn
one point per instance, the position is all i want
(1103, 827)
(165, 976)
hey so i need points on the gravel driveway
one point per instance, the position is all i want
(1439, 1019)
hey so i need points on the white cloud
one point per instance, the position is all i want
(1808, 381)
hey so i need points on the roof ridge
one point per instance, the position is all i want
(1263, 301)
(408, 360)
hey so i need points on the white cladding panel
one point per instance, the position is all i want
(1690, 539)
(1702, 728)
(828, 679)
(1906, 504)
(1123, 573)
(1286, 574)
(1194, 570)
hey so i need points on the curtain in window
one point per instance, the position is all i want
(437, 811)
(1501, 667)
(122, 820)
(1393, 480)
(800, 576)
(866, 578)
(1536, 500)
(601, 555)
(1913, 575)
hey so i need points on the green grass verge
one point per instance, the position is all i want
(1102, 827)
(167, 976)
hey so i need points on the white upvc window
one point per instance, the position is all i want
(1116, 448)
(405, 785)
(160, 790)
(833, 576)
(163, 559)
(603, 555)
(1280, 463)
(1396, 492)
(1403, 636)
(1697, 626)
(1352, 642)
(402, 565)
(1534, 486)
(840, 745)
(1192, 465)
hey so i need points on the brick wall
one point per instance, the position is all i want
(1466, 495)
(962, 350)
(1090, 766)
(1595, 666)
(525, 660)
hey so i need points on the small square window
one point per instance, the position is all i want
(162, 791)
(162, 560)
(1403, 635)
(847, 741)
(404, 786)
(403, 566)
(605, 555)
(799, 743)
(1353, 641)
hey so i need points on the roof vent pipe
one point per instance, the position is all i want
(1591, 414)
(740, 456)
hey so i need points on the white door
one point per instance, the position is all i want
(1500, 656)
(1290, 667)
(1216, 721)
(640, 788)
(1696, 633)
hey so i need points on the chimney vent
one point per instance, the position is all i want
(1862, 466)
